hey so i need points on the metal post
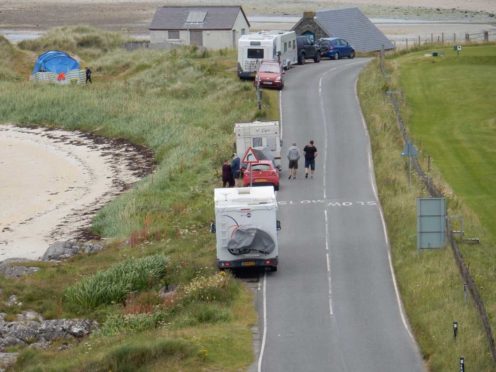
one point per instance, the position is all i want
(455, 329)
(486, 36)
(409, 171)
(442, 38)
(432, 38)
(462, 364)
(406, 43)
(467, 37)
(419, 40)
(454, 37)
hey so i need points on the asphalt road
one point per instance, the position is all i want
(332, 306)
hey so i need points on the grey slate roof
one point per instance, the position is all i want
(352, 25)
(191, 17)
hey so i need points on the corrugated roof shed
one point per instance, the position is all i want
(196, 17)
(351, 24)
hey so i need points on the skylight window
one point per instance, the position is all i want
(196, 16)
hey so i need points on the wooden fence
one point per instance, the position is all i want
(445, 39)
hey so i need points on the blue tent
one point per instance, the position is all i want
(55, 61)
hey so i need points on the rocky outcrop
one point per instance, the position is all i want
(12, 268)
(31, 329)
(66, 249)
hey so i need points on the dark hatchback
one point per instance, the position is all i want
(335, 48)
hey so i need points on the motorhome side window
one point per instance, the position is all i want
(257, 142)
(271, 143)
(256, 53)
(285, 47)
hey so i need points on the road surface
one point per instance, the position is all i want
(333, 304)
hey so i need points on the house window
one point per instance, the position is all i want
(173, 34)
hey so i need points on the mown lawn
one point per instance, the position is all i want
(452, 116)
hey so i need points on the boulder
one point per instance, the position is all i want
(65, 249)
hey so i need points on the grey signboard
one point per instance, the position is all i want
(431, 223)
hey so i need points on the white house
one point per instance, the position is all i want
(213, 27)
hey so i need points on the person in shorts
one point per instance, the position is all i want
(293, 156)
(310, 154)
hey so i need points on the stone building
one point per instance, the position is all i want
(350, 24)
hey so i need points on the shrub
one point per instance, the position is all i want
(129, 323)
(114, 284)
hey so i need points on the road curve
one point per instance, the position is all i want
(333, 305)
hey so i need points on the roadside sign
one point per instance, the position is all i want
(249, 156)
(409, 150)
(431, 223)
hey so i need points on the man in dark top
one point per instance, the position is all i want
(88, 75)
(310, 154)
(227, 176)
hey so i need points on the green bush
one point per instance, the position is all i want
(114, 284)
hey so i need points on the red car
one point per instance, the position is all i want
(261, 173)
(269, 75)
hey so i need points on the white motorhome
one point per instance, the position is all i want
(259, 135)
(246, 227)
(269, 45)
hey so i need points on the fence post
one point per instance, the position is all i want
(486, 36)
(467, 37)
(454, 37)
(442, 38)
(406, 43)
(432, 38)
(419, 40)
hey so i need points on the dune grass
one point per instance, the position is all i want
(182, 104)
(430, 285)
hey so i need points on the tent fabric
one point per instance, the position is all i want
(55, 61)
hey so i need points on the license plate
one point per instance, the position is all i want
(267, 82)
(248, 263)
(261, 180)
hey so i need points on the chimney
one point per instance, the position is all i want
(308, 15)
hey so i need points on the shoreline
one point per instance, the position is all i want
(66, 177)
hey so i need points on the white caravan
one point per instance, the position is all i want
(259, 135)
(246, 227)
(269, 45)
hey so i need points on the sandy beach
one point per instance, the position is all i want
(52, 182)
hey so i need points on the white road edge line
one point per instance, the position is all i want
(264, 336)
(383, 221)
(328, 261)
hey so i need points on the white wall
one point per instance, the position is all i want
(212, 39)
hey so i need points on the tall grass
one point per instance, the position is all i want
(114, 284)
(181, 104)
(430, 285)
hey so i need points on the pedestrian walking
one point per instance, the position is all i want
(88, 76)
(293, 156)
(227, 175)
(235, 167)
(310, 154)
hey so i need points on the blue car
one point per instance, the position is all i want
(335, 48)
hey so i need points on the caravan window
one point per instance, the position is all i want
(271, 143)
(256, 53)
(285, 47)
(257, 142)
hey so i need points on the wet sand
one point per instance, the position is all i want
(52, 182)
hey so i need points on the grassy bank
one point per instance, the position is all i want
(181, 104)
(430, 285)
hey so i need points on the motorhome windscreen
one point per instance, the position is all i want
(255, 53)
